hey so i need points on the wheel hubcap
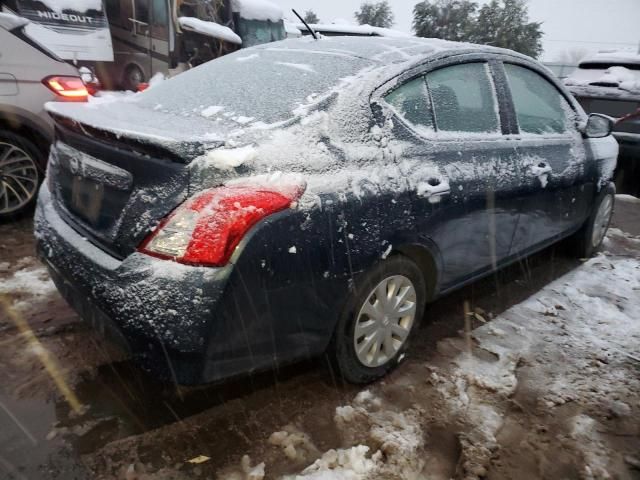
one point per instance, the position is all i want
(18, 178)
(601, 222)
(384, 321)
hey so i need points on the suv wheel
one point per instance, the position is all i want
(20, 174)
(374, 330)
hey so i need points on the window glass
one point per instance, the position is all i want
(411, 102)
(142, 10)
(113, 11)
(538, 104)
(463, 99)
(160, 17)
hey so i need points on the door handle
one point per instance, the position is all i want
(434, 189)
(542, 171)
(541, 168)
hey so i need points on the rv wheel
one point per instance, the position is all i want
(133, 77)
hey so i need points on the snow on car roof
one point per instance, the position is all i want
(348, 29)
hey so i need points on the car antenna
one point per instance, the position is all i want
(313, 34)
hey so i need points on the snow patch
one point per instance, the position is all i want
(210, 29)
(226, 159)
(298, 66)
(32, 282)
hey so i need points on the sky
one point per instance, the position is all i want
(589, 25)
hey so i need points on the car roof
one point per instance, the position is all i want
(381, 50)
(613, 58)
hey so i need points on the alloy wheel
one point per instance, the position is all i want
(385, 320)
(18, 178)
(601, 222)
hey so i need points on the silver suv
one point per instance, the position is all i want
(30, 76)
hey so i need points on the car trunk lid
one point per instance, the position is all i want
(115, 188)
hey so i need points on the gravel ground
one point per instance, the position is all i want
(542, 381)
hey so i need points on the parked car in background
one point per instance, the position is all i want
(30, 76)
(609, 83)
(315, 200)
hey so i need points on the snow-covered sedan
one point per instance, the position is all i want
(311, 196)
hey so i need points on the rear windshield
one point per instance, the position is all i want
(253, 85)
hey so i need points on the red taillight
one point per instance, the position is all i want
(70, 89)
(207, 228)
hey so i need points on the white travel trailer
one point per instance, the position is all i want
(75, 30)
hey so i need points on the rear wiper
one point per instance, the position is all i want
(311, 31)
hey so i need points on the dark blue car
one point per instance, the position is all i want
(310, 196)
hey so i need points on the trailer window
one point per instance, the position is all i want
(160, 16)
(142, 16)
(113, 10)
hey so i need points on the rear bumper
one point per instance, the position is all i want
(196, 325)
(161, 312)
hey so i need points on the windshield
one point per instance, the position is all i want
(257, 32)
(261, 84)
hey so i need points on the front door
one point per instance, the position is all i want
(551, 153)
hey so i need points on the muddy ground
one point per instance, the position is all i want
(546, 386)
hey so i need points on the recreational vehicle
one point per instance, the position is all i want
(76, 31)
(168, 36)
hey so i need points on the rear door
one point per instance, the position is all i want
(460, 168)
(550, 150)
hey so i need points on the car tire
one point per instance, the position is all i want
(588, 240)
(353, 348)
(21, 172)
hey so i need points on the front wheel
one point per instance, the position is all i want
(589, 238)
(374, 330)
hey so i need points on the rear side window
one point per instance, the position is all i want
(539, 105)
(410, 101)
(463, 99)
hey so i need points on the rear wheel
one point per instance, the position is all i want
(20, 175)
(589, 238)
(374, 330)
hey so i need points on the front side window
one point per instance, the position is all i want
(410, 101)
(539, 105)
(463, 99)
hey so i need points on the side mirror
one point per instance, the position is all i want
(598, 126)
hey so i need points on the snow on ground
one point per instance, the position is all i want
(29, 284)
(575, 342)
